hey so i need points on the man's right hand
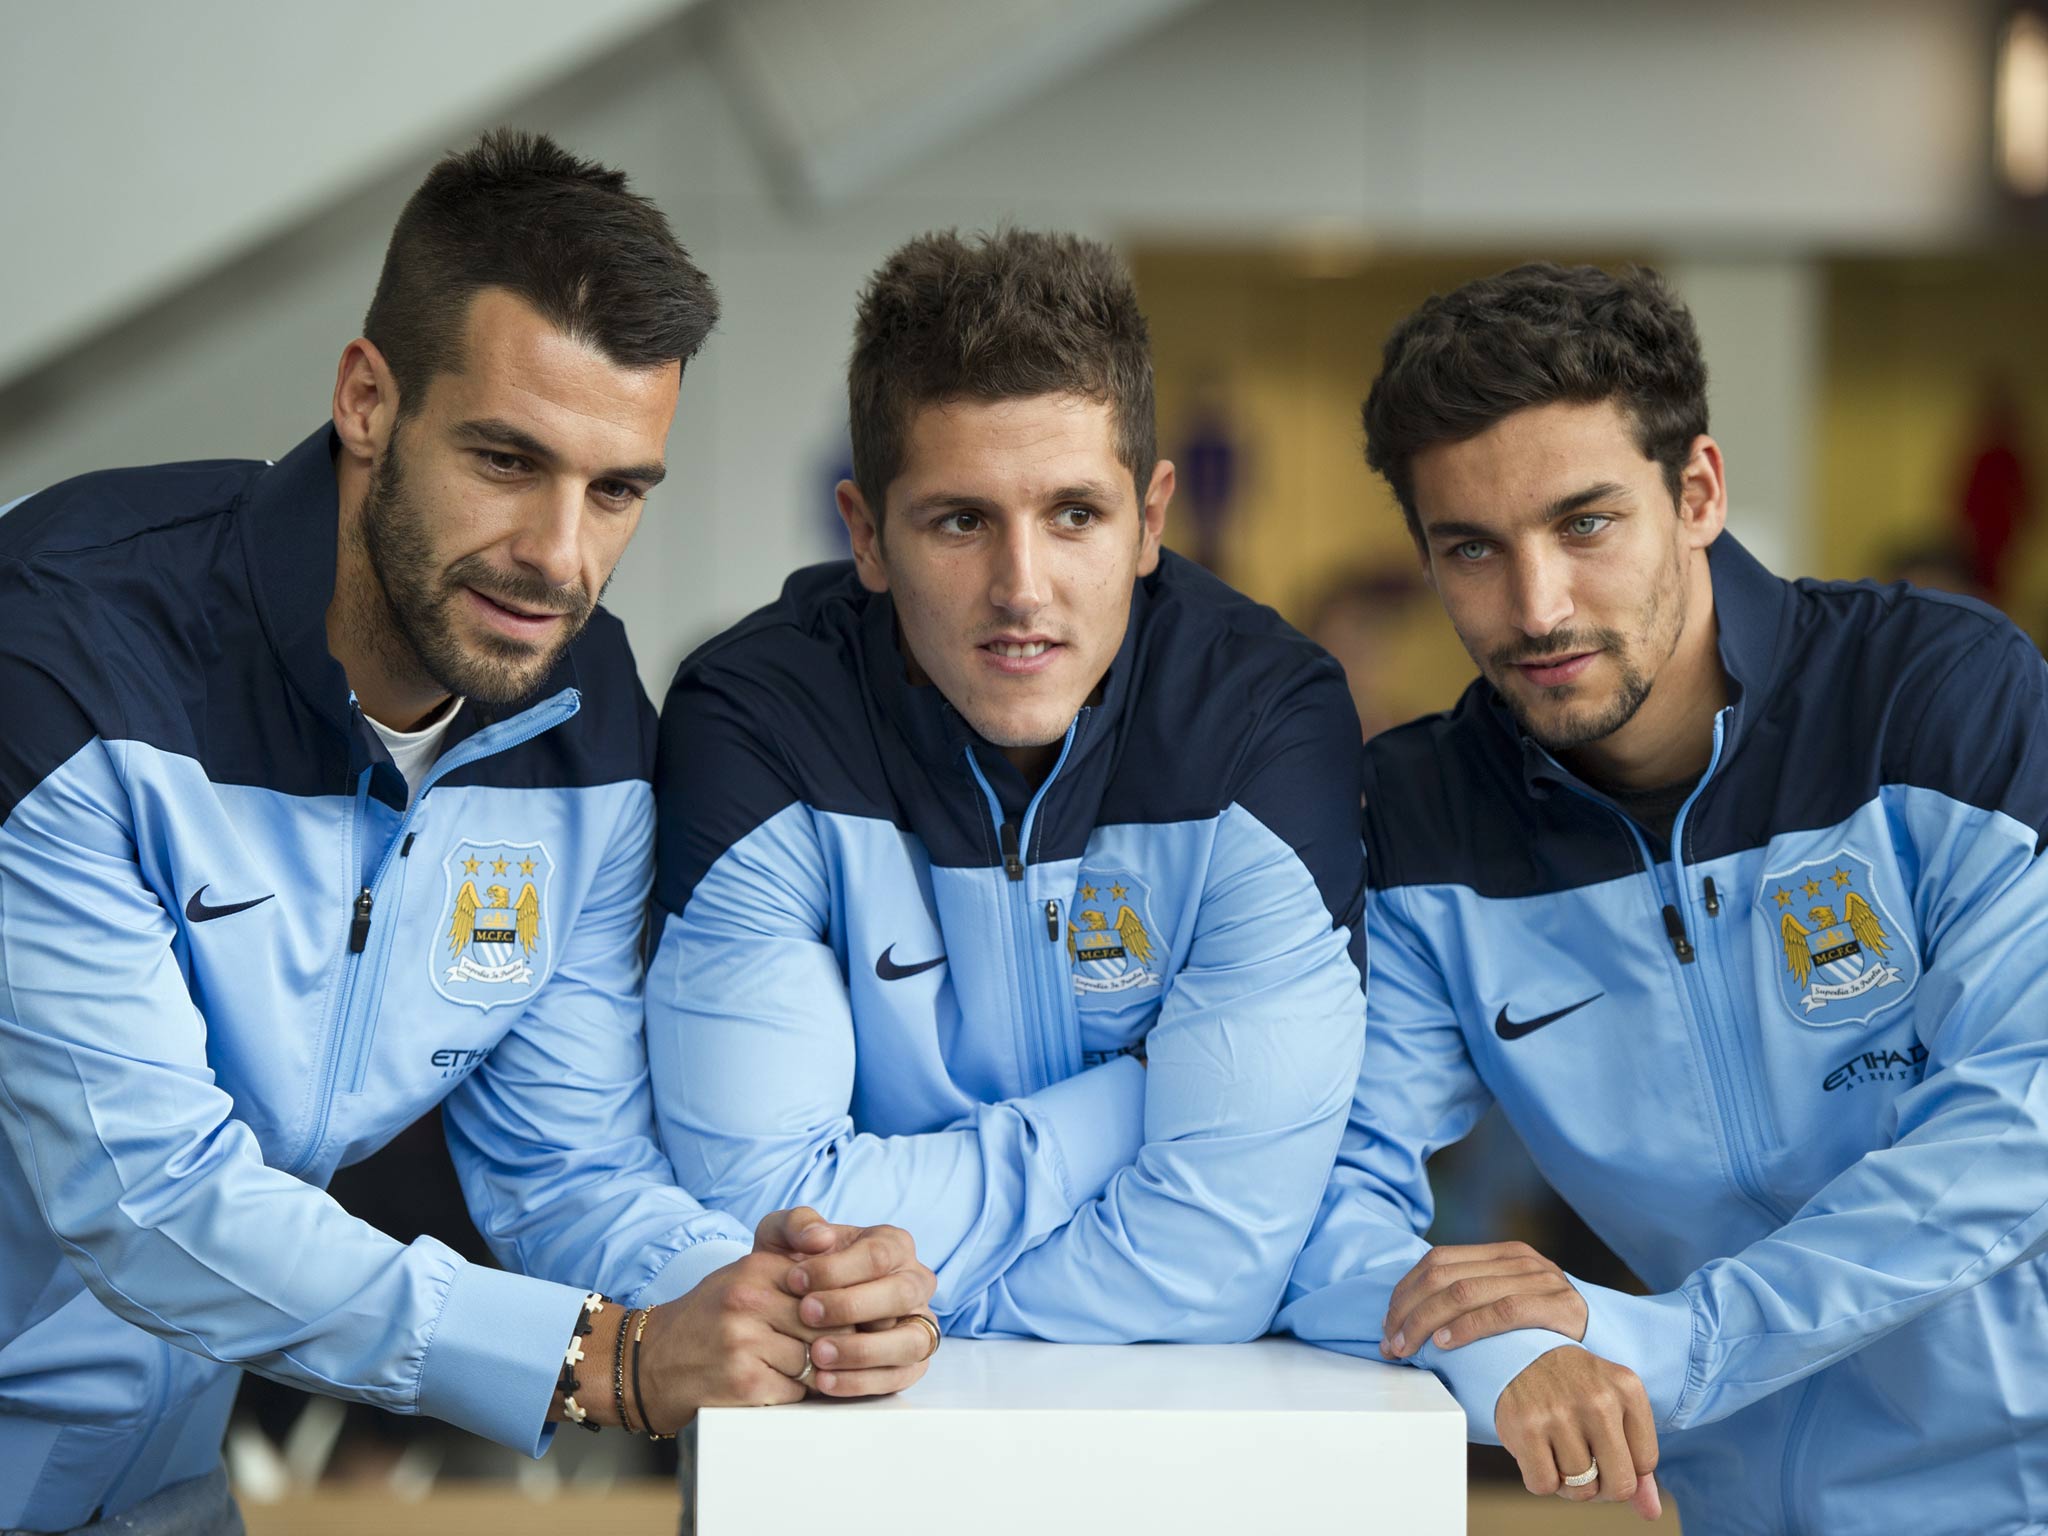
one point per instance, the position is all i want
(735, 1340)
(1567, 1410)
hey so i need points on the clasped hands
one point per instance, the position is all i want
(850, 1296)
(1569, 1408)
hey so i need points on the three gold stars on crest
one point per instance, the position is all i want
(1839, 878)
(498, 866)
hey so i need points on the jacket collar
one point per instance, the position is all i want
(290, 528)
(1752, 609)
(290, 522)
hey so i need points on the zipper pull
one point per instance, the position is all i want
(1052, 921)
(1674, 926)
(1013, 861)
(405, 848)
(1713, 899)
(359, 930)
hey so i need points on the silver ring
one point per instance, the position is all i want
(810, 1369)
(1590, 1475)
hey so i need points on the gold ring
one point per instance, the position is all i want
(930, 1327)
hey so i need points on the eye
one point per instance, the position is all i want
(1074, 519)
(618, 492)
(502, 463)
(1469, 551)
(1586, 524)
(958, 522)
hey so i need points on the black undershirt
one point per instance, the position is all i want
(1655, 810)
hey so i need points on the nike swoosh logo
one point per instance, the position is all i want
(199, 912)
(889, 970)
(1508, 1029)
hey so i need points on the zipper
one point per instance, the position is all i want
(1739, 1081)
(357, 1021)
(1016, 847)
(1738, 1111)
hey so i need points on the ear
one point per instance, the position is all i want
(1703, 494)
(365, 402)
(1152, 516)
(864, 529)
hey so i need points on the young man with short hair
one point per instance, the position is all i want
(324, 798)
(1009, 877)
(1731, 892)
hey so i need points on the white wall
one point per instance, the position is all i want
(1735, 136)
(147, 142)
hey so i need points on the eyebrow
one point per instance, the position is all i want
(503, 433)
(1080, 490)
(1564, 506)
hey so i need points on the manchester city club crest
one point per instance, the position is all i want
(1841, 956)
(493, 938)
(1110, 937)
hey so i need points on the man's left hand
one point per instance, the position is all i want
(864, 1287)
(1456, 1295)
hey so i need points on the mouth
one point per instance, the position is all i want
(513, 618)
(1020, 655)
(1556, 671)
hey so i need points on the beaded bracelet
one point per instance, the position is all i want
(568, 1385)
(619, 1370)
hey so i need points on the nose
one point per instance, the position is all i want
(1017, 584)
(549, 542)
(1540, 594)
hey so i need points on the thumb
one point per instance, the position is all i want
(782, 1230)
(1646, 1502)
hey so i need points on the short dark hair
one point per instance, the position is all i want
(517, 211)
(1539, 334)
(1001, 317)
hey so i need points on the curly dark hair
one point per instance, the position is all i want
(1001, 317)
(1537, 334)
(568, 236)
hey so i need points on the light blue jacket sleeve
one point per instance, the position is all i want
(1251, 1063)
(1416, 1093)
(161, 1197)
(751, 1040)
(1961, 1191)
(553, 1136)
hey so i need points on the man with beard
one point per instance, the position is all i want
(324, 797)
(1731, 892)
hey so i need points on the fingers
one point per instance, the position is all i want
(908, 1343)
(782, 1231)
(894, 1295)
(875, 1252)
(867, 1383)
(1617, 1483)
(1538, 1463)
(769, 1310)
(780, 1353)
(1570, 1456)
(1426, 1275)
(1639, 1427)
(1479, 1305)
(1647, 1503)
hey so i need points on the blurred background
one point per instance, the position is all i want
(1849, 193)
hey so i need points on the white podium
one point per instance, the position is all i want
(1072, 1440)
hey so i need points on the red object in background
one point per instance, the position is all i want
(1995, 505)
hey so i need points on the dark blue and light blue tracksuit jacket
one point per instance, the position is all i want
(895, 982)
(1792, 1065)
(233, 960)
